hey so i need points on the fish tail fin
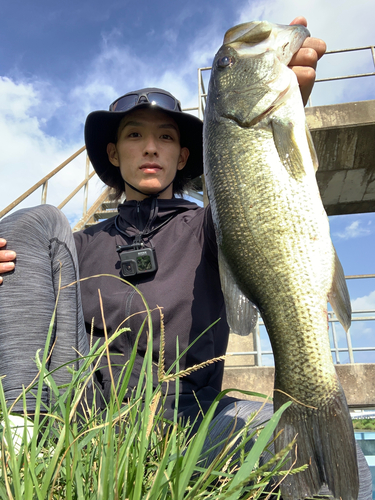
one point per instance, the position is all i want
(325, 441)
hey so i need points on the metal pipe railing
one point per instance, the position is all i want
(345, 77)
(91, 212)
(44, 193)
(332, 319)
(84, 183)
(202, 93)
(86, 189)
(335, 349)
(43, 182)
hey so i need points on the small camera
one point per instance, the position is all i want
(137, 261)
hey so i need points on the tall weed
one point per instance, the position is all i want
(73, 450)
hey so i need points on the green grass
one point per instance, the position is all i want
(364, 424)
(129, 451)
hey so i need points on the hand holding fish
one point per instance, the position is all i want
(6, 258)
(304, 61)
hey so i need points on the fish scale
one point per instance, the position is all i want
(274, 244)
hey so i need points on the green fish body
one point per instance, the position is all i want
(274, 241)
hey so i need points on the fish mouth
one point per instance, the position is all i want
(253, 32)
(250, 39)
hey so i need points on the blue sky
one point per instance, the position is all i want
(61, 60)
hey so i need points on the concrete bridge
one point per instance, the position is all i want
(356, 379)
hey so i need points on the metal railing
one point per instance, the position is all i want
(258, 352)
(371, 48)
(43, 183)
(202, 93)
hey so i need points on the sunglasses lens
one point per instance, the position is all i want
(125, 103)
(162, 100)
(129, 101)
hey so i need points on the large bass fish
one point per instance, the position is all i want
(274, 240)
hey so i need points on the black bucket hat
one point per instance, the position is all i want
(101, 128)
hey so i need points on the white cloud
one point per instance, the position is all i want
(338, 23)
(28, 153)
(26, 107)
(363, 332)
(115, 69)
(33, 111)
(353, 230)
(26, 150)
(171, 35)
(366, 303)
(341, 25)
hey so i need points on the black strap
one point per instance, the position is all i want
(142, 234)
(147, 231)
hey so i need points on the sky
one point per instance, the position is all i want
(61, 60)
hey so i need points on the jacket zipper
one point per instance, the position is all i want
(138, 215)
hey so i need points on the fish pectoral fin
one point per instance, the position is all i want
(288, 149)
(338, 296)
(313, 154)
(242, 315)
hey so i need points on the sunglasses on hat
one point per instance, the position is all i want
(129, 101)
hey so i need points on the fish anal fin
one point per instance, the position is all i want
(288, 149)
(338, 296)
(242, 315)
(325, 442)
(310, 142)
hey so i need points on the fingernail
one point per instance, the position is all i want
(9, 254)
(7, 266)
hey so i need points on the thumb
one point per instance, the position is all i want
(299, 20)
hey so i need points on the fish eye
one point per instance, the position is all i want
(225, 61)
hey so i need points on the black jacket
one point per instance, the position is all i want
(186, 286)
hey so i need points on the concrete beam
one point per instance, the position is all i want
(344, 139)
(348, 114)
(356, 379)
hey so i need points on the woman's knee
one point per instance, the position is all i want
(33, 228)
(37, 218)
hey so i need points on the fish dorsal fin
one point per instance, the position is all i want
(288, 149)
(242, 315)
(310, 142)
(338, 296)
(247, 34)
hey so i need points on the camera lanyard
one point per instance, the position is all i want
(138, 239)
(146, 232)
